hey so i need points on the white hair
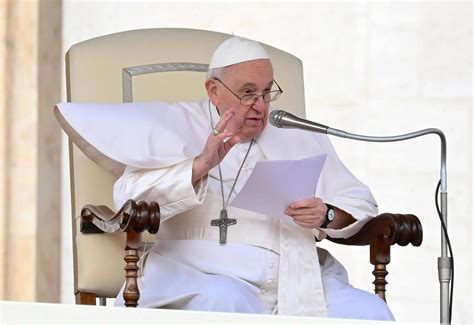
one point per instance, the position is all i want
(215, 73)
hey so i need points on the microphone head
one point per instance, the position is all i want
(282, 119)
(276, 117)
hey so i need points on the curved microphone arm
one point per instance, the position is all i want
(283, 119)
(444, 262)
(401, 137)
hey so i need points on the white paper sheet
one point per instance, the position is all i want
(274, 185)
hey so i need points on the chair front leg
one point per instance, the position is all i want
(379, 258)
(131, 293)
(85, 298)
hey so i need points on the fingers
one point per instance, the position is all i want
(225, 118)
(305, 224)
(307, 213)
(220, 141)
(221, 136)
(311, 202)
(311, 205)
(225, 146)
(302, 211)
(234, 139)
(309, 218)
(225, 140)
(308, 221)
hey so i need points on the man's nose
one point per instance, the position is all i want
(260, 104)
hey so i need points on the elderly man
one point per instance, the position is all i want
(262, 265)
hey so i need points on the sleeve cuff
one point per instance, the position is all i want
(345, 232)
(194, 195)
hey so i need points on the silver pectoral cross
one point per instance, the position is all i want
(223, 222)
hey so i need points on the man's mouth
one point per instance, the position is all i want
(253, 121)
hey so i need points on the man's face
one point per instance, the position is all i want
(251, 77)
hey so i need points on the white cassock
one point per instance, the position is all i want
(266, 266)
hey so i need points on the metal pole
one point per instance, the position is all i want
(444, 262)
(282, 119)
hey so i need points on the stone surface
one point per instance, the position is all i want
(30, 169)
(3, 143)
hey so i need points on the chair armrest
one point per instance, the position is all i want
(401, 229)
(380, 233)
(132, 216)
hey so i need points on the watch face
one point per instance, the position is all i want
(331, 215)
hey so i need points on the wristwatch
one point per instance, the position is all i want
(330, 215)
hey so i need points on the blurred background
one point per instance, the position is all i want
(377, 68)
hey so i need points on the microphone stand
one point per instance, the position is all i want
(444, 262)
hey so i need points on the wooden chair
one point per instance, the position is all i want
(129, 66)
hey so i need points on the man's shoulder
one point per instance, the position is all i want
(195, 111)
(197, 107)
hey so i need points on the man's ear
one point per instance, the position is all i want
(211, 88)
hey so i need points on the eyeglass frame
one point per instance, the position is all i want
(256, 96)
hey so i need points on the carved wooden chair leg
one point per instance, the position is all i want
(379, 257)
(85, 298)
(133, 218)
(131, 294)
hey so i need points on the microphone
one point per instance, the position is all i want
(282, 119)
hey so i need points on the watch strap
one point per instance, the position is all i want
(327, 221)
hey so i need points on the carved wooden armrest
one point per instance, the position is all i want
(380, 233)
(133, 218)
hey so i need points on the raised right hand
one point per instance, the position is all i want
(215, 148)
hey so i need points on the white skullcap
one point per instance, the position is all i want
(236, 50)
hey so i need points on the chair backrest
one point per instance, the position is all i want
(125, 66)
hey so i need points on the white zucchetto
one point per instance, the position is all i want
(236, 50)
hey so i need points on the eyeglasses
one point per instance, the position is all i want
(250, 99)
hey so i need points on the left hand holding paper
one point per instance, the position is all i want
(307, 213)
(274, 185)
